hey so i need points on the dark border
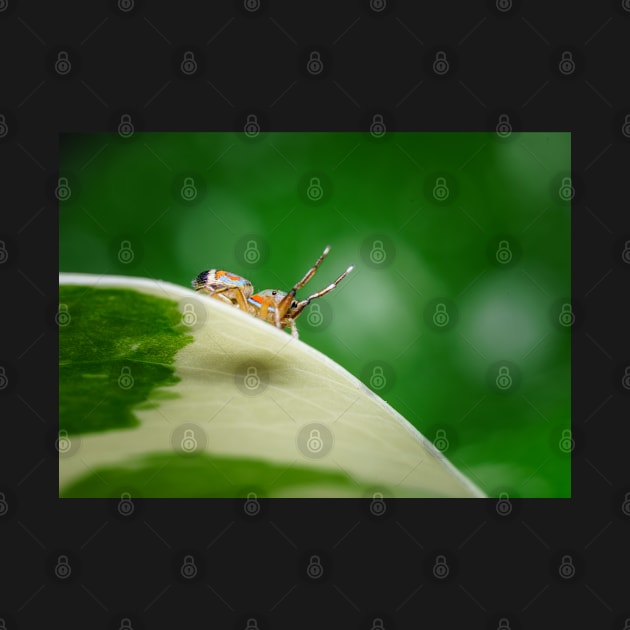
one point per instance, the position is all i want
(544, 561)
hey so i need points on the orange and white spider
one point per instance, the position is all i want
(279, 308)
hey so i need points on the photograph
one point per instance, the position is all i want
(369, 314)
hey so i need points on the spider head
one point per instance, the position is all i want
(277, 297)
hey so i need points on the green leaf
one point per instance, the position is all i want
(114, 337)
(165, 392)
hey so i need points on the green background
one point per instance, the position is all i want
(467, 230)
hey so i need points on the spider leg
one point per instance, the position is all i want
(283, 306)
(264, 307)
(276, 316)
(304, 303)
(311, 272)
(223, 298)
(294, 332)
(240, 300)
(226, 295)
(203, 290)
(217, 295)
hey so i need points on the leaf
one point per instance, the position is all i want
(165, 392)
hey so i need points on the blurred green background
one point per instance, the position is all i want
(458, 310)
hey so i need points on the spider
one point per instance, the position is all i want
(279, 308)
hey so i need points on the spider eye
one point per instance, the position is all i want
(274, 292)
(294, 304)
